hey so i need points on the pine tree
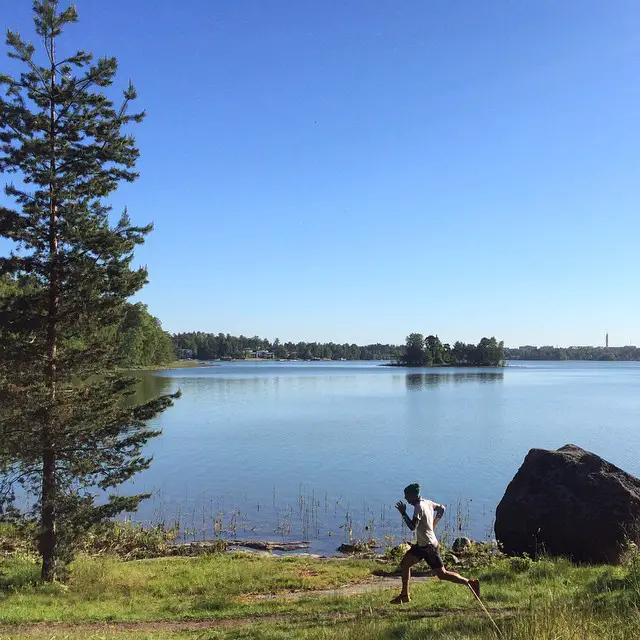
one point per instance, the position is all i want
(67, 426)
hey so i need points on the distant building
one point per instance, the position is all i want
(606, 341)
(259, 354)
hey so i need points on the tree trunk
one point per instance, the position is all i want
(48, 534)
(49, 480)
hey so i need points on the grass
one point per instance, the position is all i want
(545, 600)
(165, 589)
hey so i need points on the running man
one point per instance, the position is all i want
(426, 516)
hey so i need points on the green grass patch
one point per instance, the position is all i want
(167, 588)
(544, 600)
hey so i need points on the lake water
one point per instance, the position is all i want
(314, 450)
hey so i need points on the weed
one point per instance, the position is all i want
(520, 564)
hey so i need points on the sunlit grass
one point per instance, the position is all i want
(545, 600)
(108, 589)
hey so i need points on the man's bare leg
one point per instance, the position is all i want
(407, 562)
(456, 578)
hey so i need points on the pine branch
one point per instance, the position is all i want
(25, 54)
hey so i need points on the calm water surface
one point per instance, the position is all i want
(310, 450)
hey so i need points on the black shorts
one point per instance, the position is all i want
(429, 554)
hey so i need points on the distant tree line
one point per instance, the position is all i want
(418, 351)
(211, 346)
(426, 352)
(528, 352)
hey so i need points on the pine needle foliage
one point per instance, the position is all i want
(69, 432)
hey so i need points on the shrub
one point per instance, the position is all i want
(128, 541)
(520, 564)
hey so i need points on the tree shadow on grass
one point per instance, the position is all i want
(610, 591)
(419, 573)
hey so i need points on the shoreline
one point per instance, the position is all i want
(178, 364)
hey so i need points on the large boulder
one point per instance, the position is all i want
(569, 502)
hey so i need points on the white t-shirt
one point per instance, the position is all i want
(423, 517)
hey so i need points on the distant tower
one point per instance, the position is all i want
(606, 341)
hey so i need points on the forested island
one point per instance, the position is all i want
(431, 352)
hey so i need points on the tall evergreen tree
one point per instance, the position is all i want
(65, 425)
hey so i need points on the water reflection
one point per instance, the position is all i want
(416, 381)
(149, 386)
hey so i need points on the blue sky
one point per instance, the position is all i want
(357, 170)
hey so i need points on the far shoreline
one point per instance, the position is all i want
(171, 366)
(194, 364)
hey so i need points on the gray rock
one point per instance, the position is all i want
(266, 545)
(461, 544)
(569, 502)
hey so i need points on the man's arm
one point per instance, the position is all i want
(402, 508)
(438, 511)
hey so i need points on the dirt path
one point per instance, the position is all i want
(359, 588)
(203, 625)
